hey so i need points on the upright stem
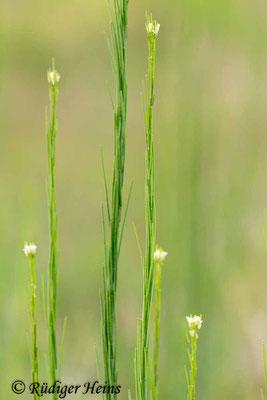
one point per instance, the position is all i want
(192, 355)
(117, 48)
(30, 252)
(157, 311)
(51, 129)
(195, 323)
(142, 349)
(33, 319)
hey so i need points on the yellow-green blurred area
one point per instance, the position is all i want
(211, 168)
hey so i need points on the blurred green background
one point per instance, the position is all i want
(210, 134)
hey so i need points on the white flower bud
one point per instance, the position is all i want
(152, 28)
(30, 249)
(53, 77)
(160, 255)
(194, 323)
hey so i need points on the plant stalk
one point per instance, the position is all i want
(33, 321)
(51, 130)
(117, 50)
(142, 349)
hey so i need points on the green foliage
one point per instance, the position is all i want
(117, 50)
(212, 118)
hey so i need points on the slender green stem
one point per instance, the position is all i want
(195, 324)
(30, 252)
(191, 380)
(159, 257)
(33, 322)
(157, 311)
(35, 369)
(51, 130)
(117, 49)
(142, 349)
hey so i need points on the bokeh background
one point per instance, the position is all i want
(210, 138)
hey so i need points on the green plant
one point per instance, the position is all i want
(49, 295)
(142, 349)
(159, 257)
(194, 324)
(52, 281)
(30, 252)
(117, 50)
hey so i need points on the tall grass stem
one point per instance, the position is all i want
(117, 50)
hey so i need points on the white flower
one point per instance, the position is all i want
(160, 255)
(192, 333)
(53, 77)
(152, 28)
(198, 321)
(190, 321)
(30, 249)
(156, 29)
(194, 323)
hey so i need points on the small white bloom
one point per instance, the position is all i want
(53, 77)
(198, 321)
(192, 333)
(152, 28)
(194, 323)
(156, 29)
(190, 321)
(160, 255)
(30, 249)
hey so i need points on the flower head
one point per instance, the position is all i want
(53, 77)
(30, 249)
(194, 324)
(160, 255)
(152, 27)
